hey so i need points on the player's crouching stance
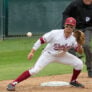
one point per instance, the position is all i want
(59, 42)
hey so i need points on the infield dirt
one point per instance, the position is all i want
(33, 84)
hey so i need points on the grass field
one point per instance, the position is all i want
(13, 59)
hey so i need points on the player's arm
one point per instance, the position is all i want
(31, 54)
(35, 47)
(46, 38)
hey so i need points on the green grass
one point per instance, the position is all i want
(13, 59)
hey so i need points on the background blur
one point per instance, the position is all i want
(17, 17)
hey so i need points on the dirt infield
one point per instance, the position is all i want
(33, 84)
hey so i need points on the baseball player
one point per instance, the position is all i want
(58, 43)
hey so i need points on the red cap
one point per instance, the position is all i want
(71, 21)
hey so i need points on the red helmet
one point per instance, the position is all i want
(71, 21)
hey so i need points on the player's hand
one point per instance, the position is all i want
(80, 49)
(30, 55)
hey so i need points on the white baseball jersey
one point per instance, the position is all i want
(57, 42)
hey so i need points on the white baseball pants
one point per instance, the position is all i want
(47, 58)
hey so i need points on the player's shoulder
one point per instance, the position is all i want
(73, 37)
(58, 31)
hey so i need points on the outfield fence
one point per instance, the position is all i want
(17, 17)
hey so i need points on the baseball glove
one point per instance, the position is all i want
(80, 37)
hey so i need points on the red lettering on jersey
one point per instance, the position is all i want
(61, 47)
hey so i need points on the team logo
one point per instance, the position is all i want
(71, 21)
(61, 47)
(87, 19)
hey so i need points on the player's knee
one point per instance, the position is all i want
(34, 71)
(79, 65)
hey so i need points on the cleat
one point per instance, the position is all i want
(11, 87)
(77, 84)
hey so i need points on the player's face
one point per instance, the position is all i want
(68, 30)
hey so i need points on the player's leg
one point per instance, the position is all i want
(88, 51)
(77, 64)
(23, 76)
(43, 60)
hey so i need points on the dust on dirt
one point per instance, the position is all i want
(33, 84)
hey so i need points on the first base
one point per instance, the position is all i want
(55, 83)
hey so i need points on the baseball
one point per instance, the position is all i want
(29, 34)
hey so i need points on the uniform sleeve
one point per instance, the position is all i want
(46, 38)
(37, 44)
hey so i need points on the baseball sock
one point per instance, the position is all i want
(22, 77)
(75, 75)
